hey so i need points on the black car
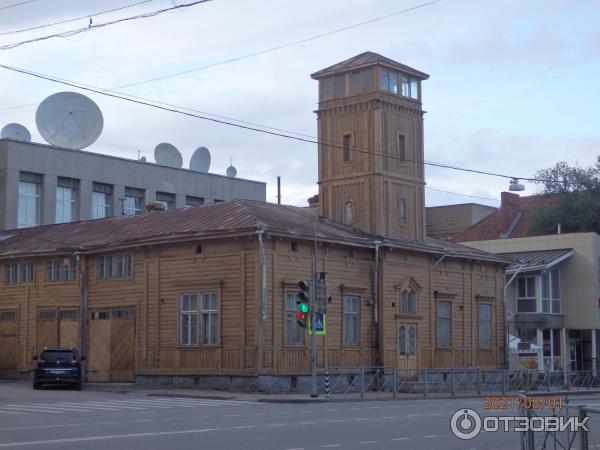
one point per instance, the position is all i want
(58, 366)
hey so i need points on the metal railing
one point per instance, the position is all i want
(451, 382)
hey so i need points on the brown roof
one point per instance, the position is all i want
(511, 220)
(218, 219)
(368, 59)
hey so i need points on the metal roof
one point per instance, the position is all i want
(537, 259)
(214, 220)
(368, 59)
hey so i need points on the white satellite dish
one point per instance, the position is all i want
(200, 161)
(69, 120)
(16, 132)
(168, 155)
(231, 172)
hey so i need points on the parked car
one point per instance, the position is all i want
(58, 366)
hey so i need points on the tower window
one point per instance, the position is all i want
(356, 82)
(347, 144)
(405, 87)
(367, 79)
(414, 88)
(388, 80)
(348, 212)
(339, 85)
(327, 86)
(402, 210)
(401, 148)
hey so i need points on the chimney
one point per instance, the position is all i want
(313, 201)
(509, 200)
(156, 206)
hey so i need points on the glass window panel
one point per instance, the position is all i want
(405, 86)
(402, 340)
(412, 340)
(327, 84)
(347, 148)
(367, 79)
(384, 81)
(555, 284)
(485, 325)
(393, 83)
(414, 88)
(339, 85)
(356, 82)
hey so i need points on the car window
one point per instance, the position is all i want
(59, 355)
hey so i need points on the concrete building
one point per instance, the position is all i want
(41, 184)
(208, 295)
(447, 220)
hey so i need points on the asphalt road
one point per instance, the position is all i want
(65, 419)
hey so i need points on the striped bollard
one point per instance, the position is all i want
(326, 383)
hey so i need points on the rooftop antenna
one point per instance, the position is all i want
(278, 190)
(166, 154)
(231, 171)
(200, 161)
(15, 131)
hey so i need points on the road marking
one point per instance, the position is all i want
(335, 420)
(88, 405)
(257, 414)
(143, 420)
(434, 414)
(101, 438)
(299, 448)
(431, 436)
(232, 415)
(387, 417)
(40, 409)
(243, 427)
(309, 411)
(106, 423)
(367, 442)
(331, 445)
(307, 423)
(414, 415)
(362, 418)
(276, 425)
(401, 439)
(43, 426)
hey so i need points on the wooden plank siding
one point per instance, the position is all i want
(149, 342)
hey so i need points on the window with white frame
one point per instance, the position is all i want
(61, 269)
(351, 320)
(29, 206)
(402, 209)
(18, 272)
(66, 200)
(408, 303)
(293, 332)
(485, 325)
(133, 203)
(189, 319)
(444, 323)
(526, 297)
(407, 339)
(117, 265)
(348, 213)
(551, 292)
(209, 313)
(101, 199)
(167, 198)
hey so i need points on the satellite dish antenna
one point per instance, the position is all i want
(69, 120)
(200, 161)
(167, 155)
(16, 132)
(143, 159)
(231, 172)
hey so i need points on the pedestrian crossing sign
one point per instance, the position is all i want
(320, 324)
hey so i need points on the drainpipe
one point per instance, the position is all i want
(507, 343)
(376, 336)
(263, 298)
(83, 299)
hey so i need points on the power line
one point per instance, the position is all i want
(62, 22)
(102, 25)
(14, 5)
(462, 195)
(247, 127)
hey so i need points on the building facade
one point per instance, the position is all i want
(445, 221)
(208, 294)
(41, 184)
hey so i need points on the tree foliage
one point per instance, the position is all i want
(575, 204)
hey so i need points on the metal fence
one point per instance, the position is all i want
(451, 382)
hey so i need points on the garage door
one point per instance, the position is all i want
(8, 344)
(57, 328)
(111, 345)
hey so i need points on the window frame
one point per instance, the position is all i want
(19, 272)
(60, 271)
(347, 148)
(354, 340)
(289, 320)
(488, 320)
(447, 318)
(213, 315)
(413, 302)
(402, 210)
(550, 292)
(107, 266)
(64, 205)
(527, 298)
(28, 197)
(192, 326)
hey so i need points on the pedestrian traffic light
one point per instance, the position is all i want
(302, 304)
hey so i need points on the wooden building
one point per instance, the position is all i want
(211, 290)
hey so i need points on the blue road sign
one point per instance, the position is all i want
(320, 324)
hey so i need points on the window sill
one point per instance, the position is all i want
(408, 316)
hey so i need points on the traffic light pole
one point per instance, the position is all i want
(312, 318)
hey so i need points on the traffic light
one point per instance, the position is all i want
(302, 304)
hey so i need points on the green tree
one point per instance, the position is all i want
(574, 199)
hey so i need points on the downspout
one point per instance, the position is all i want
(263, 298)
(508, 283)
(378, 341)
(83, 300)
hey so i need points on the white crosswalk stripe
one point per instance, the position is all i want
(137, 404)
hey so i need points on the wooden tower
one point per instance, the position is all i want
(370, 122)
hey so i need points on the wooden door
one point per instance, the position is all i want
(98, 354)
(122, 349)
(8, 345)
(47, 329)
(68, 328)
(407, 346)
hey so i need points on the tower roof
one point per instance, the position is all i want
(368, 59)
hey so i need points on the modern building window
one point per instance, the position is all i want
(401, 148)
(117, 265)
(189, 319)
(551, 349)
(327, 87)
(167, 199)
(388, 80)
(367, 75)
(356, 83)
(408, 304)
(294, 333)
(351, 320)
(347, 144)
(551, 292)
(339, 85)
(133, 203)
(18, 272)
(444, 324)
(526, 298)
(407, 339)
(193, 201)
(101, 200)
(210, 318)
(29, 207)
(402, 210)
(485, 325)
(405, 86)
(66, 200)
(414, 88)
(61, 269)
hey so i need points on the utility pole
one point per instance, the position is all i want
(312, 318)
(278, 190)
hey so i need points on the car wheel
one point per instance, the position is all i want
(77, 387)
(37, 385)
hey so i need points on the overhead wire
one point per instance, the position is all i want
(74, 19)
(251, 128)
(92, 26)
(14, 5)
(462, 195)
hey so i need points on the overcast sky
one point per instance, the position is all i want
(514, 86)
